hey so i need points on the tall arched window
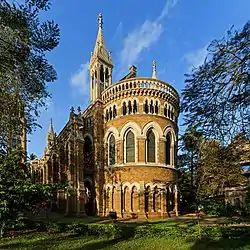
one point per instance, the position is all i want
(111, 150)
(168, 149)
(130, 147)
(151, 146)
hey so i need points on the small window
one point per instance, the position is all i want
(107, 115)
(165, 111)
(146, 107)
(156, 107)
(129, 107)
(151, 107)
(110, 113)
(124, 109)
(169, 113)
(114, 112)
(135, 107)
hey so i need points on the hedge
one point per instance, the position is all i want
(116, 231)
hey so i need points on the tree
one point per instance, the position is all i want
(17, 191)
(187, 160)
(218, 167)
(216, 97)
(24, 69)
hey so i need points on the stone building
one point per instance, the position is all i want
(119, 154)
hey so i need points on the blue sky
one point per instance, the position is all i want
(175, 33)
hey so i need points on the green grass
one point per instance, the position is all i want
(68, 241)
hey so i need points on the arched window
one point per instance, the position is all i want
(111, 150)
(151, 146)
(146, 107)
(107, 77)
(169, 112)
(129, 107)
(107, 115)
(110, 113)
(87, 151)
(172, 114)
(156, 107)
(124, 108)
(135, 107)
(165, 110)
(101, 78)
(130, 147)
(114, 112)
(151, 107)
(168, 149)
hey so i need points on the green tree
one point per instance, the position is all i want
(17, 191)
(186, 163)
(216, 97)
(24, 69)
(218, 167)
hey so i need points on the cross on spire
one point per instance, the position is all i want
(100, 20)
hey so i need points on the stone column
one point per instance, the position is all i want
(164, 209)
(67, 205)
(176, 202)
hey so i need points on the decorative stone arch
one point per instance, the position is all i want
(134, 199)
(111, 130)
(156, 128)
(171, 130)
(131, 125)
(135, 184)
(110, 186)
(158, 133)
(88, 135)
(126, 184)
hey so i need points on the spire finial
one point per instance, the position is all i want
(154, 70)
(100, 20)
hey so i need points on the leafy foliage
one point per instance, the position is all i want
(24, 69)
(17, 191)
(217, 94)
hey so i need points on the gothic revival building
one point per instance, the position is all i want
(120, 153)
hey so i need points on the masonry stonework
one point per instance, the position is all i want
(119, 154)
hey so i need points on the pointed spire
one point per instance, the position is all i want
(51, 135)
(154, 70)
(100, 50)
(51, 130)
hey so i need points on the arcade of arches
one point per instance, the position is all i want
(131, 199)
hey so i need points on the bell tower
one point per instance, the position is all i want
(100, 66)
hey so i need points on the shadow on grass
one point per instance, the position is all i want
(213, 244)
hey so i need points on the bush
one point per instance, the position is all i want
(219, 208)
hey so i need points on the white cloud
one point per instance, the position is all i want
(196, 58)
(143, 37)
(80, 80)
(168, 6)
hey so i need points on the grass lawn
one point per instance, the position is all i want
(68, 241)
